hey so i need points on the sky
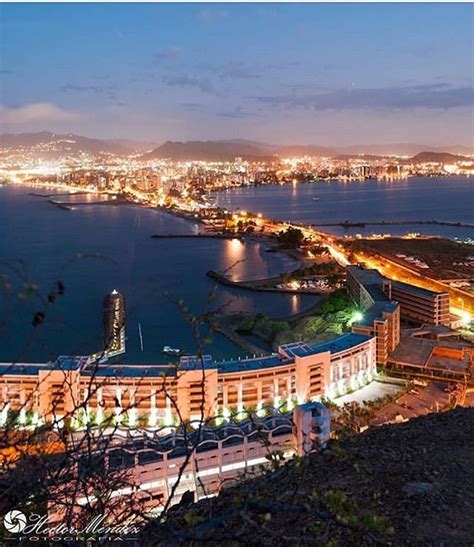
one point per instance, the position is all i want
(328, 74)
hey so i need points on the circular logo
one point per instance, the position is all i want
(14, 521)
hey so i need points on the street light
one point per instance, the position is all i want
(357, 316)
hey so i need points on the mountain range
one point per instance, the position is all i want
(47, 144)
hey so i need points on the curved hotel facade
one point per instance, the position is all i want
(153, 395)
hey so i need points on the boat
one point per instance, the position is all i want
(171, 351)
(315, 198)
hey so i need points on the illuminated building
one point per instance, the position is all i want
(114, 324)
(421, 305)
(299, 372)
(200, 462)
(381, 315)
(385, 301)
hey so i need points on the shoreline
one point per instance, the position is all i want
(347, 224)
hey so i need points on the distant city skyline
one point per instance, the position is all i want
(340, 74)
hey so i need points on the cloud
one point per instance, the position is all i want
(237, 113)
(237, 71)
(6, 72)
(108, 91)
(192, 106)
(431, 96)
(73, 88)
(203, 84)
(167, 54)
(37, 112)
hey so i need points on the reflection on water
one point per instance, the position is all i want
(95, 249)
(233, 257)
(244, 261)
(295, 304)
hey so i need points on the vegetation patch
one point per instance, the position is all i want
(336, 315)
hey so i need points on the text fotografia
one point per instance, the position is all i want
(37, 528)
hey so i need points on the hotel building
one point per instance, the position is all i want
(153, 466)
(385, 301)
(85, 390)
(381, 315)
(420, 305)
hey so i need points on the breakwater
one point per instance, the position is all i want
(262, 285)
(37, 194)
(349, 224)
(196, 236)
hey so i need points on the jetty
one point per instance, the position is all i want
(61, 205)
(37, 194)
(261, 285)
(196, 236)
(348, 224)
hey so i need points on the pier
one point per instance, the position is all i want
(348, 224)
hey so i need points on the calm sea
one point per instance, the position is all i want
(97, 248)
(434, 198)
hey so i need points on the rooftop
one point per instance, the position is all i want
(132, 371)
(376, 311)
(254, 363)
(366, 276)
(68, 362)
(373, 282)
(413, 289)
(189, 362)
(342, 343)
(432, 353)
(23, 368)
(193, 362)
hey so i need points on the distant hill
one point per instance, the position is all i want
(305, 150)
(402, 149)
(135, 146)
(206, 151)
(436, 157)
(47, 144)
(368, 157)
(225, 150)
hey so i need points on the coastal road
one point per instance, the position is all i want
(461, 302)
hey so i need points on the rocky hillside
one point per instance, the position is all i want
(407, 484)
